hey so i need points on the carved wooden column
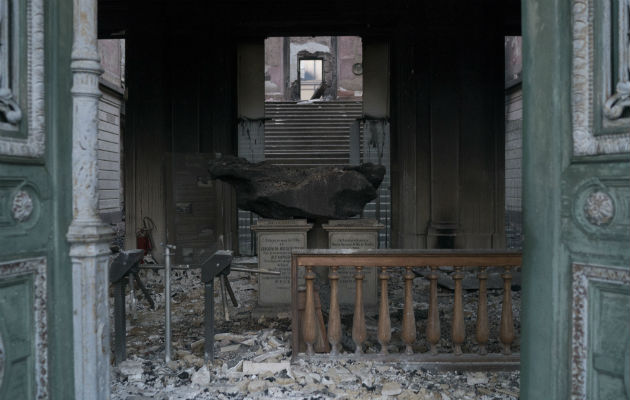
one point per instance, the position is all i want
(88, 235)
(459, 332)
(334, 317)
(409, 318)
(482, 312)
(384, 323)
(310, 321)
(359, 333)
(506, 333)
(433, 320)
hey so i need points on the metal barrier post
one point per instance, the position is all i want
(167, 301)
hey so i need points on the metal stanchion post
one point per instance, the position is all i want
(167, 301)
(132, 294)
(208, 348)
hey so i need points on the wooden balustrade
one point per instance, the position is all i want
(384, 323)
(387, 261)
(433, 320)
(482, 313)
(409, 317)
(310, 321)
(507, 324)
(334, 318)
(459, 329)
(358, 322)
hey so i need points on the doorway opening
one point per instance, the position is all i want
(311, 72)
(314, 116)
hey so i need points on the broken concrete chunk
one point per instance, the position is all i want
(268, 355)
(132, 369)
(238, 367)
(193, 360)
(197, 347)
(233, 347)
(391, 389)
(201, 377)
(476, 378)
(275, 343)
(228, 337)
(256, 386)
(257, 368)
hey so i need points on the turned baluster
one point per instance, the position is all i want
(482, 312)
(310, 321)
(458, 333)
(358, 323)
(334, 318)
(384, 323)
(433, 322)
(506, 334)
(409, 319)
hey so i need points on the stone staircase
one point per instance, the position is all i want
(309, 134)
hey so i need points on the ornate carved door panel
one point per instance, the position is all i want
(576, 312)
(596, 199)
(29, 204)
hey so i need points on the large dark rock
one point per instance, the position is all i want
(282, 192)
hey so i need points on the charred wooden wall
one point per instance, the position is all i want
(447, 121)
(181, 99)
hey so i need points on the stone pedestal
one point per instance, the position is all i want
(275, 240)
(355, 234)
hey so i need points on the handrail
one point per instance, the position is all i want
(408, 259)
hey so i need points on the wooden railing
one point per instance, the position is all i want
(386, 260)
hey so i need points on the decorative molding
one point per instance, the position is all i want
(587, 138)
(22, 206)
(88, 236)
(617, 103)
(583, 275)
(614, 106)
(8, 106)
(33, 145)
(9, 62)
(37, 268)
(599, 208)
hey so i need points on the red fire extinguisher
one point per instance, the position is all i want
(144, 238)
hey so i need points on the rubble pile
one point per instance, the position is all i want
(253, 353)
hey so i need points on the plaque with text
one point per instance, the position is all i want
(275, 240)
(360, 234)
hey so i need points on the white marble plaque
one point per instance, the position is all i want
(361, 234)
(275, 240)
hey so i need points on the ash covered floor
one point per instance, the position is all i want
(253, 353)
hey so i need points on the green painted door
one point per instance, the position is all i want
(576, 267)
(35, 199)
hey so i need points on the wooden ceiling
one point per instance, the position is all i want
(285, 18)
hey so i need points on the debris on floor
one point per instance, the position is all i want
(253, 354)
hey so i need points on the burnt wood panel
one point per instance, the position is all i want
(148, 135)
